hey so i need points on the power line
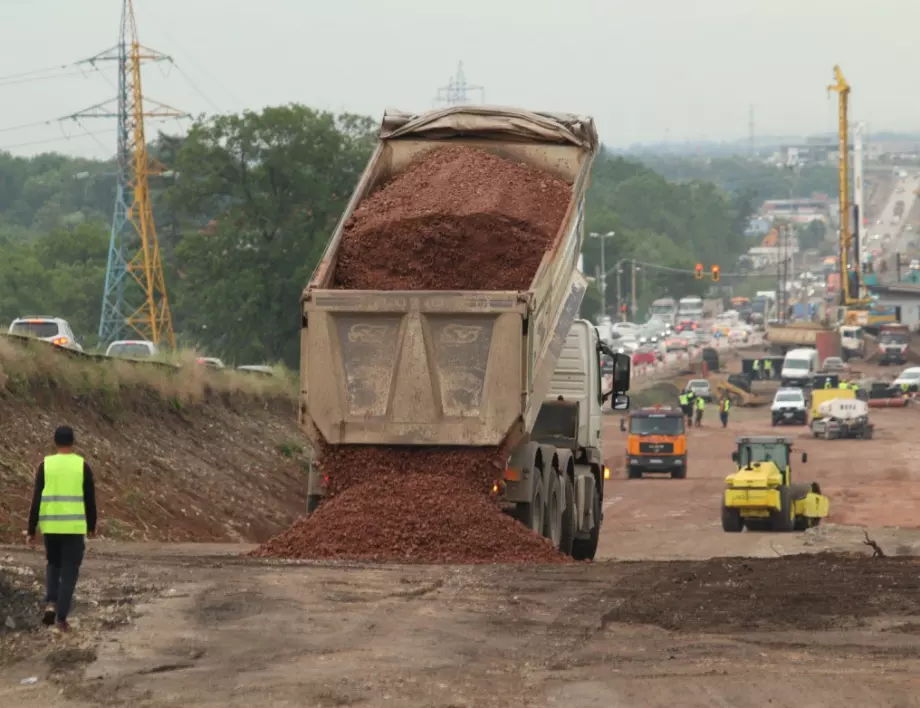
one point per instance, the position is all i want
(33, 72)
(62, 138)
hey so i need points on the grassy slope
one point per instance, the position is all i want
(192, 454)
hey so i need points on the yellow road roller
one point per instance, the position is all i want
(760, 495)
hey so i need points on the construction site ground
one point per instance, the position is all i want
(673, 613)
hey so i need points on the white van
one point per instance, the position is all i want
(799, 366)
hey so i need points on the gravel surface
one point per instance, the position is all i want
(458, 218)
(412, 517)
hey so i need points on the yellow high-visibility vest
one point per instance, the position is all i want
(63, 509)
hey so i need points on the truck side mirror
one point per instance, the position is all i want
(620, 403)
(804, 457)
(621, 373)
(735, 456)
(623, 424)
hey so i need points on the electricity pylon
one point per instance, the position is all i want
(456, 93)
(134, 252)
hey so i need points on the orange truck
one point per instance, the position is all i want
(656, 442)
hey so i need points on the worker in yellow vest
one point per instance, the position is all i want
(756, 368)
(64, 509)
(724, 406)
(768, 368)
(700, 407)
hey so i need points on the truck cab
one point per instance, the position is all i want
(893, 342)
(656, 442)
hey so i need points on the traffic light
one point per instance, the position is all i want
(699, 271)
(716, 274)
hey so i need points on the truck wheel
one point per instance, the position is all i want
(569, 519)
(731, 520)
(531, 513)
(313, 501)
(586, 549)
(634, 472)
(555, 505)
(784, 519)
(679, 473)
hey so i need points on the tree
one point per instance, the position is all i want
(669, 225)
(267, 190)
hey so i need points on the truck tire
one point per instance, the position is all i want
(313, 501)
(784, 519)
(586, 548)
(679, 472)
(555, 505)
(531, 513)
(731, 520)
(633, 472)
(569, 519)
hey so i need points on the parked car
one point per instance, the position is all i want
(834, 363)
(700, 388)
(644, 356)
(210, 361)
(269, 371)
(789, 406)
(53, 330)
(132, 349)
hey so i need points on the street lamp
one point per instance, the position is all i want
(603, 283)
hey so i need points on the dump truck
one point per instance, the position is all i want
(893, 344)
(511, 370)
(760, 494)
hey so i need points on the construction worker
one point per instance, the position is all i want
(700, 407)
(768, 368)
(64, 508)
(685, 403)
(827, 382)
(691, 404)
(756, 368)
(843, 386)
(724, 405)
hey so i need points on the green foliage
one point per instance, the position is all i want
(62, 271)
(275, 184)
(662, 223)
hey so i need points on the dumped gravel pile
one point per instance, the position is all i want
(458, 218)
(414, 517)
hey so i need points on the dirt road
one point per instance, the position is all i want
(694, 617)
(212, 630)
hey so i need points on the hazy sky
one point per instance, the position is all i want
(647, 70)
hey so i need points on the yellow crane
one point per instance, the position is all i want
(842, 88)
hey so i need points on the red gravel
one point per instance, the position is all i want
(347, 465)
(458, 218)
(412, 517)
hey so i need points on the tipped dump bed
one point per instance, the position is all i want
(446, 367)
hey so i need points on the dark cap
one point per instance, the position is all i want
(63, 436)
